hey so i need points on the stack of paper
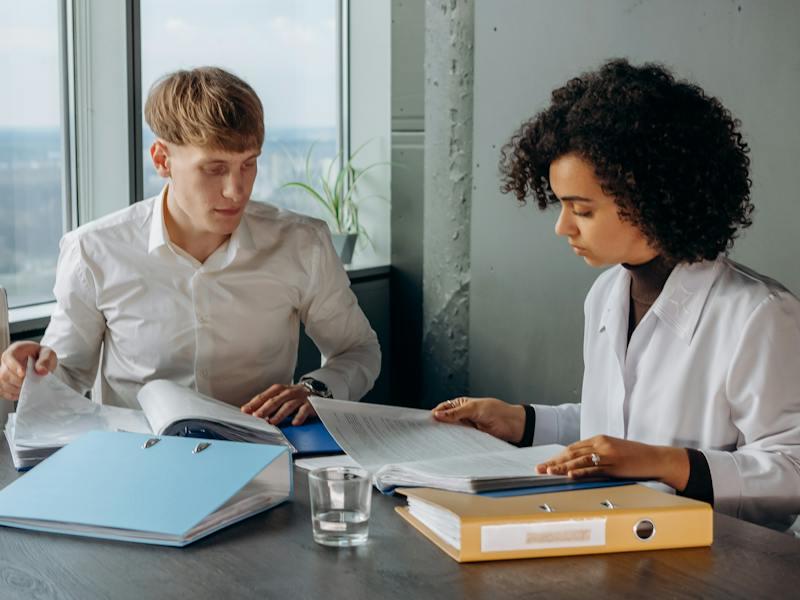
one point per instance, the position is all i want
(407, 447)
(50, 415)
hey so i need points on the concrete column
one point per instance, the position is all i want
(449, 39)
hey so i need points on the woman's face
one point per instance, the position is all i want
(590, 219)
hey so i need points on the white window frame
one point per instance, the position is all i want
(102, 158)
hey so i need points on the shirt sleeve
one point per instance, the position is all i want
(351, 356)
(760, 480)
(559, 424)
(76, 326)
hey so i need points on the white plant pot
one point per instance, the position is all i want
(344, 244)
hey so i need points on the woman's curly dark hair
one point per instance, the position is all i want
(672, 156)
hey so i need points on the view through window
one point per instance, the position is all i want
(31, 156)
(287, 50)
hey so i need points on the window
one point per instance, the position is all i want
(32, 190)
(288, 50)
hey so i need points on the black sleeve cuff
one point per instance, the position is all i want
(699, 486)
(530, 425)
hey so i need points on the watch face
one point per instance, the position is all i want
(315, 386)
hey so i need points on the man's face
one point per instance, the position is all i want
(209, 189)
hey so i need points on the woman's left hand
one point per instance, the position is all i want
(604, 456)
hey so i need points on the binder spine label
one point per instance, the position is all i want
(550, 534)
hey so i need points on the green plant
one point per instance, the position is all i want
(337, 192)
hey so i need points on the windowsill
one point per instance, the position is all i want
(31, 319)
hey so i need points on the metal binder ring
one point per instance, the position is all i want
(595, 459)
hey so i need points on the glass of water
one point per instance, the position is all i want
(340, 505)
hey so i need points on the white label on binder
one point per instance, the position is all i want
(547, 534)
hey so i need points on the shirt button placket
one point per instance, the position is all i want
(202, 333)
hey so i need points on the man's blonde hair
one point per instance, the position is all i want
(206, 107)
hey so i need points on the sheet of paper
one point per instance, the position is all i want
(165, 402)
(519, 462)
(339, 460)
(374, 435)
(50, 413)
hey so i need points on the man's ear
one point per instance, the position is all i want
(159, 152)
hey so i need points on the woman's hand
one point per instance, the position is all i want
(602, 455)
(501, 419)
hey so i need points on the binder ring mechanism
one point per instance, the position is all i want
(196, 450)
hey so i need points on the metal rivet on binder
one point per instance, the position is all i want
(200, 447)
(644, 529)
(547, 508)
(149, 443)
(608, 504)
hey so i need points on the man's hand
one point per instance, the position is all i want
(603, 455)
(280, 401)
(14, 362)
(501, 419)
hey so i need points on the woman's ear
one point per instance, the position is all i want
(159, 153)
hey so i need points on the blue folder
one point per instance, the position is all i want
(124, 486)
(558, 487)
(310, 438)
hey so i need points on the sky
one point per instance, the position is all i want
(286, 49)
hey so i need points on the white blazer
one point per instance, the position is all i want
(713, 365)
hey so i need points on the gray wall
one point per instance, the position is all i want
(408, 154)
(527, 287)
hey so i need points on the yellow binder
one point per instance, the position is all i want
(592, 521)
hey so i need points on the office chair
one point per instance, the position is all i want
(5, 339)
(5, 331)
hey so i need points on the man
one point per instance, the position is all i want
(198, 285)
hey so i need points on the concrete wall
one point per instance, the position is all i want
(527, 287)
(408, 156)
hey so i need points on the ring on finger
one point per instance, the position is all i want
(595, 459)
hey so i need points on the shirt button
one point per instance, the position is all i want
(202, 319)
(204, 373)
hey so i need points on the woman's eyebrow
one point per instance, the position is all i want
(576, 199)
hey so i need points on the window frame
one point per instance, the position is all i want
(103, 168)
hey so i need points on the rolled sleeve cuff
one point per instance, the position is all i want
(335, 382)
(546, 431)
(726, 481)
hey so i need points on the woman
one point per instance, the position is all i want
(692, 362)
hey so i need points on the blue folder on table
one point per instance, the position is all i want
(150, 489)
(310, 438)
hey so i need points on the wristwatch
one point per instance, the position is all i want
(315, 387)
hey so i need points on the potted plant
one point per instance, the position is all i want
(337, 192)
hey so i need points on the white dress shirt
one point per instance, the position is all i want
(228, 327)
(713, 365)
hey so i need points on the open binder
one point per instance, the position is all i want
(591, 521)
(50, 415)
(149, 489)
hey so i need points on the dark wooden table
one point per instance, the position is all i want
(272, 555)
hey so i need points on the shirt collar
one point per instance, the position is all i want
(242, 237)
(158, 228)
(684, 296)
(678, 306)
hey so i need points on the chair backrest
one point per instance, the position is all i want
(5, 330)
(5, 339)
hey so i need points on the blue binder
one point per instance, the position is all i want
(310, 438)
(149, 489)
